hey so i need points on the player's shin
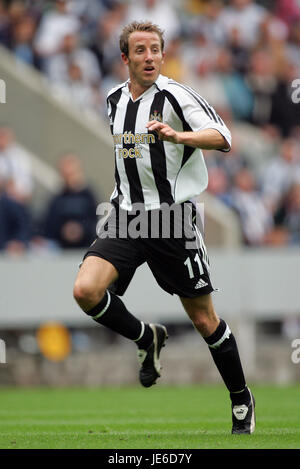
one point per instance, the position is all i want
(113, 314)
(224, 350)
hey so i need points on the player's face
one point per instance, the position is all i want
(145, 58)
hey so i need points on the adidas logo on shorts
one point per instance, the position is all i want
(201, 284)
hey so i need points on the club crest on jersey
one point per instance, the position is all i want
(155, 116)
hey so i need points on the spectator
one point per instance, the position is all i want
(54, 26)
(273, 38)
(274, 31)
(278, 175)
(218, 184)
(256, 221)
(200, 58)
(105, 41)
(15, 12)
(14, 224)
(71, 52)
(209, 23)
(262, 81)
(293, 47)
(160, 12)
(288, 214)
(238, 94)
(231, 163)
(4, 25)
(241, 55)
(199, 55)
(71, 216)
(285, 113)
(80, 93)
(288, 10)
(88, 11)
(22, 39)
(243, 18)
(15, 167)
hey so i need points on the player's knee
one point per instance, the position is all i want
(200, 323)
(204, 323)
(86, 295)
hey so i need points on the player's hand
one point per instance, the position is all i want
(164, 131)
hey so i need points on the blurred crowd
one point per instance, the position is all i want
(69, 219)
(243, 56)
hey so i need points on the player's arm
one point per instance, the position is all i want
(206, 139)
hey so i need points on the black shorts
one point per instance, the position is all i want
(177, 259)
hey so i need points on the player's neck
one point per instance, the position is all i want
(136, 89)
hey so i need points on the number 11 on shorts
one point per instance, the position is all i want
(188, 263)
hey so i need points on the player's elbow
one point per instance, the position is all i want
(220, 142)
(225, 145)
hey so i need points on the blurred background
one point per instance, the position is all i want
(58, 59)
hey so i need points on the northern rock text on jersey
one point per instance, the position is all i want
(128, 138)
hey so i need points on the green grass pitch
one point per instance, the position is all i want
(197, 417)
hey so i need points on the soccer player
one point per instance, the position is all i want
(159, 128)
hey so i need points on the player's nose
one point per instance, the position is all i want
(149, 55)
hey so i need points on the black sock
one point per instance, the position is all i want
(146, 338)
(112, 313)
(242, 397)
(223, 348)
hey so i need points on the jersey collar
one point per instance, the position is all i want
(159, 84)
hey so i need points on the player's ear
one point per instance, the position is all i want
(163, 57)
(124, 58)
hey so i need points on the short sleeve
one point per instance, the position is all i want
(198, 113)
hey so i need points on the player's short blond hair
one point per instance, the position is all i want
(139, 26)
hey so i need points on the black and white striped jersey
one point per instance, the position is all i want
(148, 170)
